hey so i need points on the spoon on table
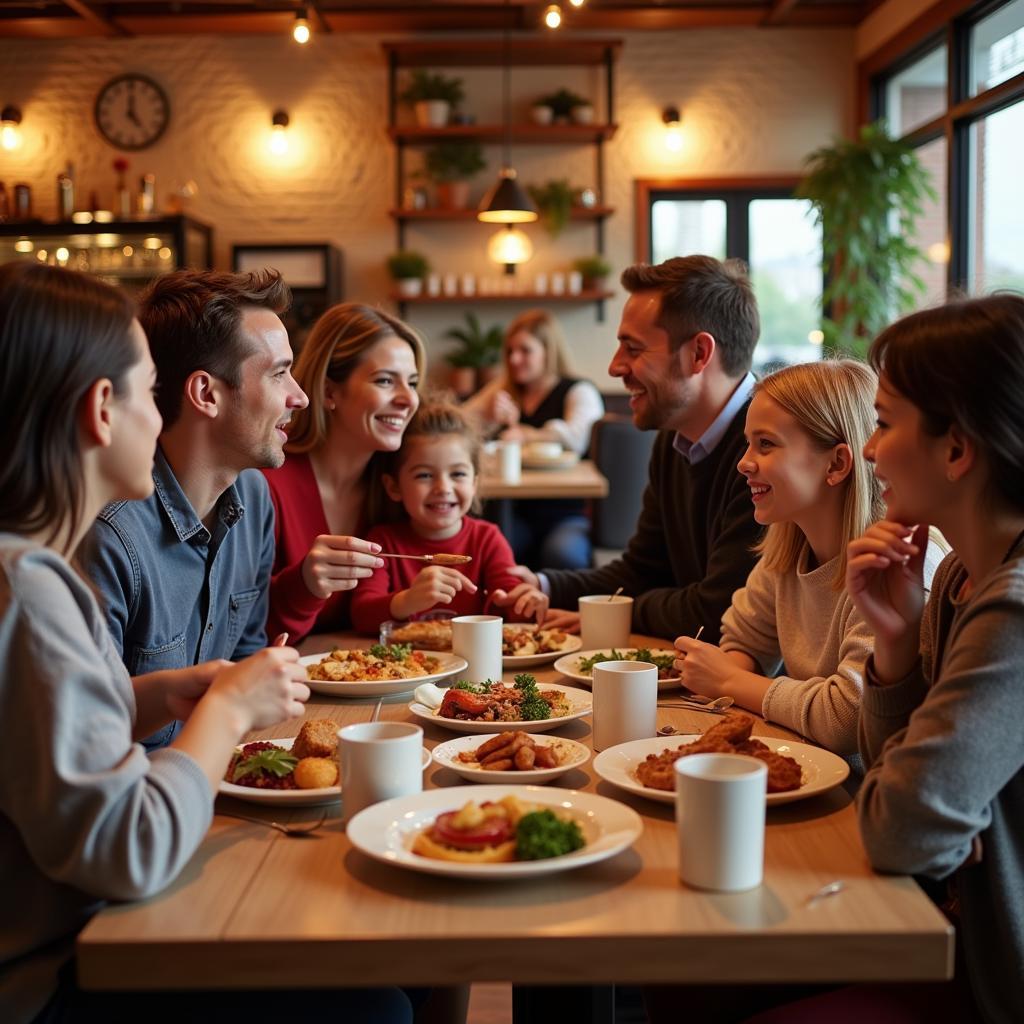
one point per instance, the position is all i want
(441, 558)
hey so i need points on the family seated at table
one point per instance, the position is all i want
(191, 558)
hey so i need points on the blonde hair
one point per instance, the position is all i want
(544, 327)
(832, 401)
(437, 417)
(334, 348)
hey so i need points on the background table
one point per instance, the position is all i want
(256, 909)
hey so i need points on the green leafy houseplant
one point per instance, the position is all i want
(867, 197)
(454, 161)
(593, 268)
(478, 348)
(554, 202)
(563, 102)
(424, 85)
(406, 264)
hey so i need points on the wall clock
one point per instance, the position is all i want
(132, 111)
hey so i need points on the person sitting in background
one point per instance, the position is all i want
(686, 341)
(85, 815)
(538, 400)
(184, 573)
(360, 368)
(434, 477)
(806, 427)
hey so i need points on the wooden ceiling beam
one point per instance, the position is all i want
(84, 11)
(779, 11)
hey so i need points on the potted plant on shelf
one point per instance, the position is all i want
(450, 165)
(408, 269)
(867, 197)
(433, 97)
(477, 355)
(563, 103)
(593, 270)
(554, 202)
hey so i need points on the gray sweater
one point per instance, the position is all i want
(945, 747)
(85, 816)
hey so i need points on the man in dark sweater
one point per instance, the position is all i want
(686, 341)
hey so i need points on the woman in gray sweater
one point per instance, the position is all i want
(85, 815)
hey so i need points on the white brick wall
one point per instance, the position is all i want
(753, 101)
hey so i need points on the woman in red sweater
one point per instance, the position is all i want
(360, 368)
(434, 476)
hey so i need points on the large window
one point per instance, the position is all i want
(959, 99)
(766, 227)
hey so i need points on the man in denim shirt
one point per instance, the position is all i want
(185, 574)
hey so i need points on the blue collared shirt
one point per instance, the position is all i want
(175, 593)
(694, 451)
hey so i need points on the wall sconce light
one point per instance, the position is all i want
(673, 129)
(279, 133)
(510, 246)
(10, 132)
(552, 16)
(301, 30)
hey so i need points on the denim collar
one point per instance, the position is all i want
(180, 513)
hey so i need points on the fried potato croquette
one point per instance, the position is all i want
(316, 773)
(318, 737)
(729, 736)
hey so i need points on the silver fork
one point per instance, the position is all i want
(303, 831)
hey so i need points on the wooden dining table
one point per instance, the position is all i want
(255, 908)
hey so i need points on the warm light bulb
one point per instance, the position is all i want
(673, 122)
(300, 30)
(279, 140)
(553, 16)
(510, 246)
(10, 136)
(577, 3)
(62, 255)
(23, 245)
(816, 337)
(938, 252)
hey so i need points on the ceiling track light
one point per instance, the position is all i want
(301, 30)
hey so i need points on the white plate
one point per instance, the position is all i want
(385, 831)
(291, 797)
(822, 770)
(288, 797)
(447, 754)
(564, 461)
(569, 666)
(580, 703)
(514, 662)
(450, 664)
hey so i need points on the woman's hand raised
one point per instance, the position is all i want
(885, 580)
(338, 563)
(264, 689)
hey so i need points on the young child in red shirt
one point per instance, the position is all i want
(434, 477)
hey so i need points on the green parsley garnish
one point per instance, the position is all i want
(533, 707)
(662, 659)
(391, 652)
(278, 762)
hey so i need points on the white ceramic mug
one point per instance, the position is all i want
(720, 810)
(510, 461)
(379, 760)
(477, 638)
(625, 702)
(605, 621)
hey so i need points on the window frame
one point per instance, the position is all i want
(952, 22)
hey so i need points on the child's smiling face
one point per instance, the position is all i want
(436, 484)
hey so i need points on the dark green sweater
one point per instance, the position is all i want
(691, 548)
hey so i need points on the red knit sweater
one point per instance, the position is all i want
(492, 558)
(298, 520)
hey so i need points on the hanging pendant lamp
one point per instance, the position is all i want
(506, 202)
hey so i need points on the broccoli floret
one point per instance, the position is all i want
(533, 707)
(542, 834)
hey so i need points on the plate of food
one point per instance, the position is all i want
(523, 644)
(795, 770)
(580, 666)
(510, 757)
(495, 832)
(500, 707)
(378, 671)
(298, 771)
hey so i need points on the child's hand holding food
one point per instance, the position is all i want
(436, 584)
